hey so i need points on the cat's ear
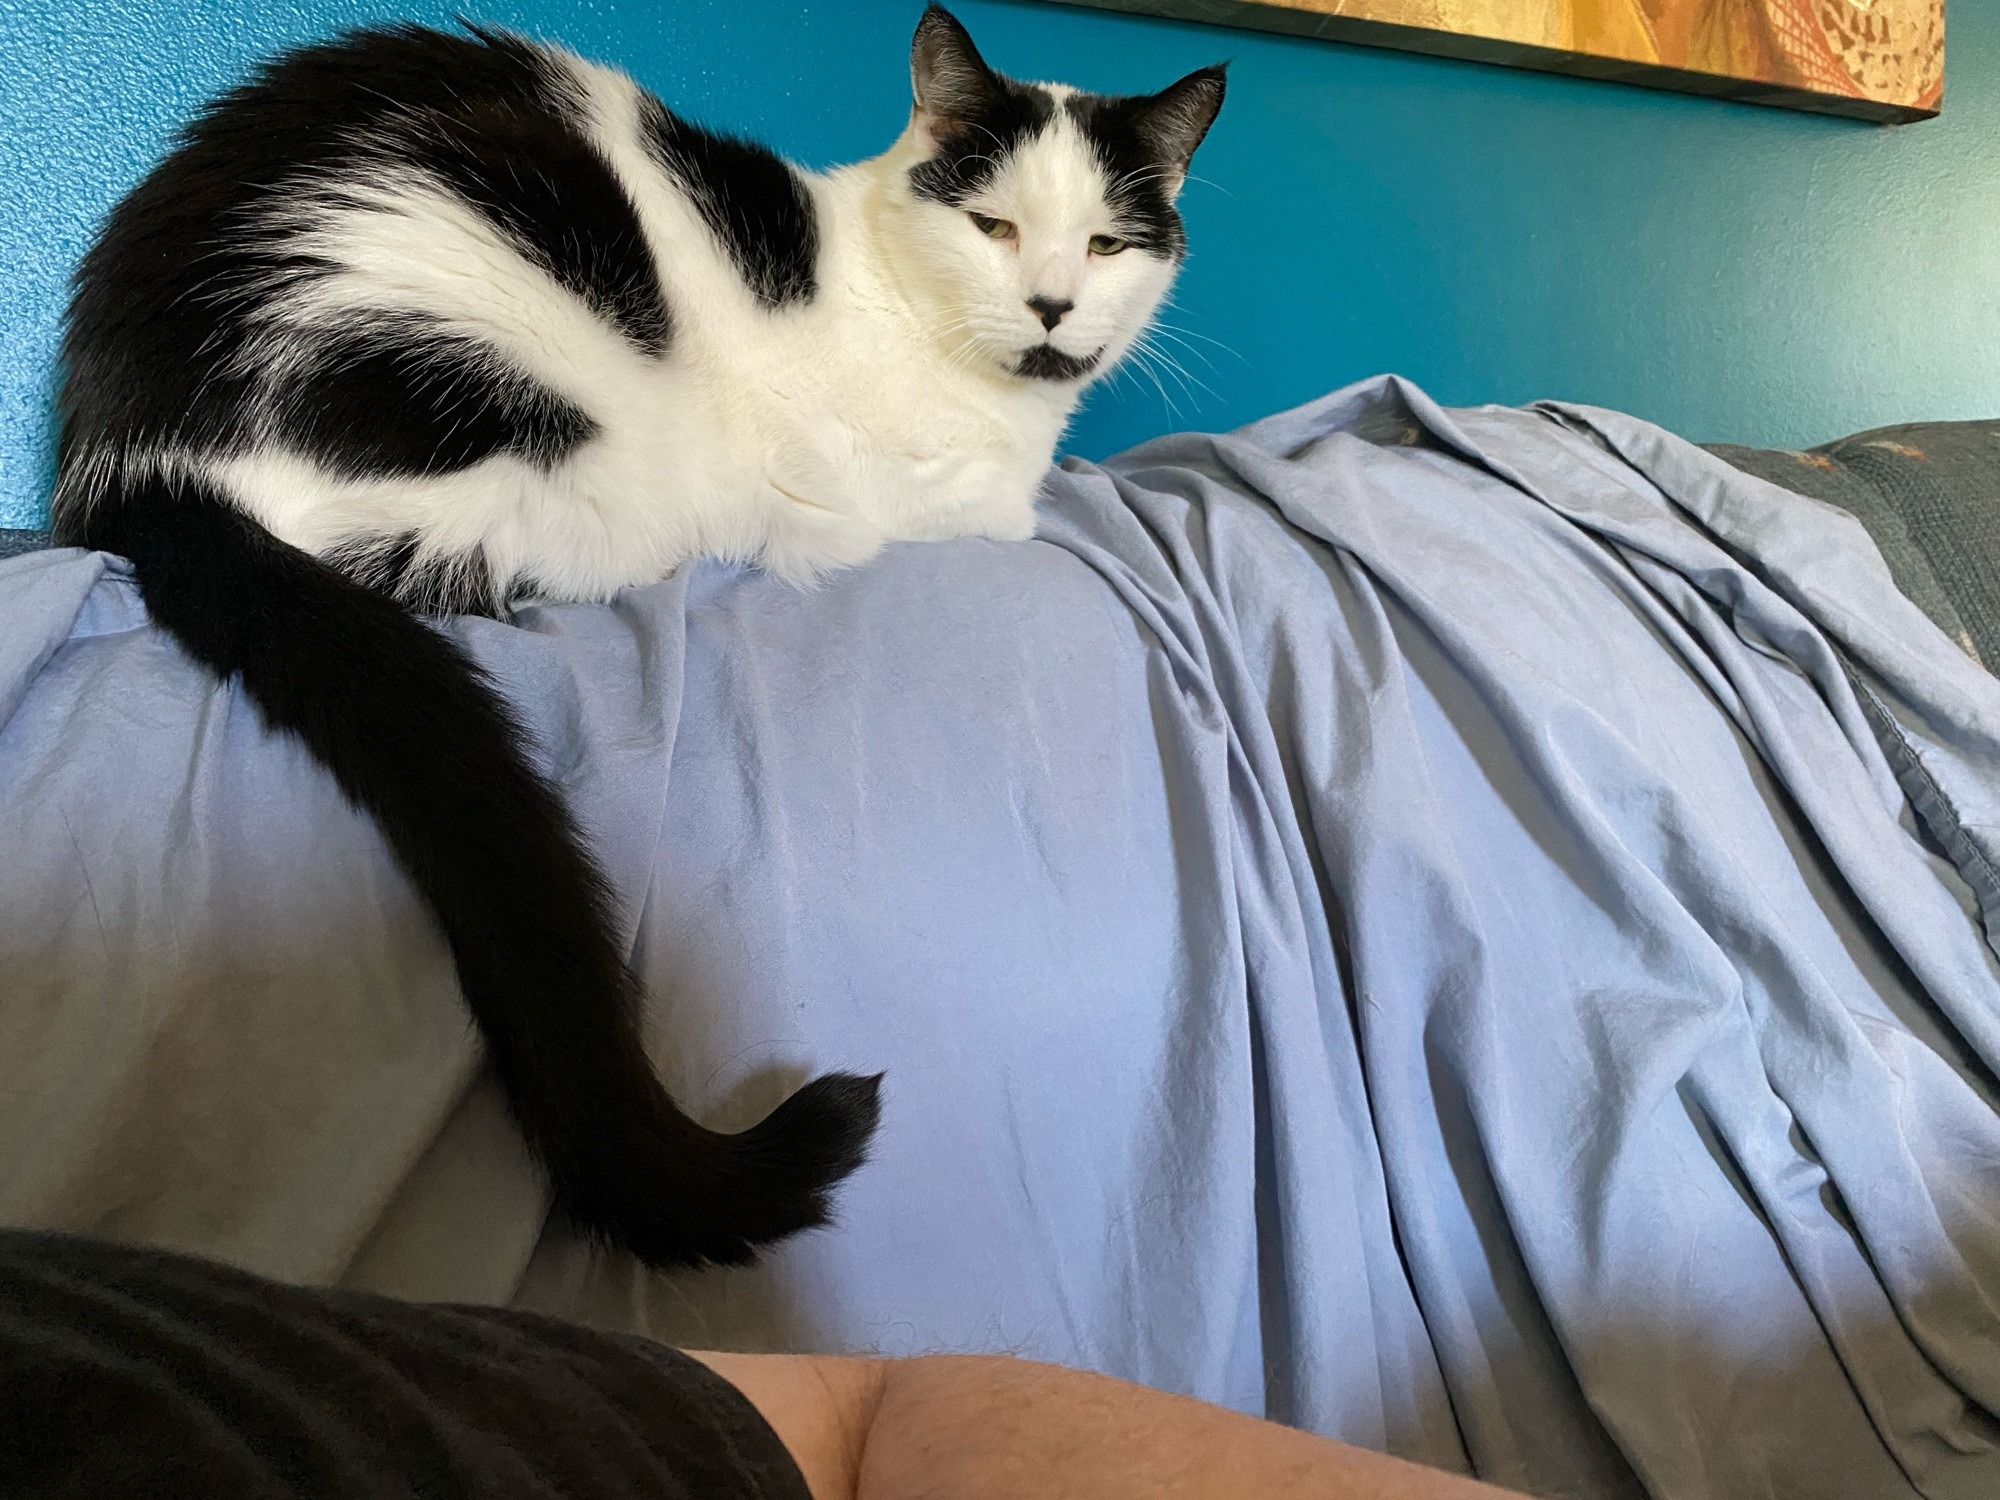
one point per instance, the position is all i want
(1173, 121)
(952, 84)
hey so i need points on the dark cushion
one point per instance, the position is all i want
(1929, 494)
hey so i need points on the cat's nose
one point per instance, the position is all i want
(1050, 310)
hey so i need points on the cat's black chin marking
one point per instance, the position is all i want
(1047, 362)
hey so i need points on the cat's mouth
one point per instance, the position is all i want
(1047, 362)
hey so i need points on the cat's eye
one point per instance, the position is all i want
(1106, 244)
(993, 229)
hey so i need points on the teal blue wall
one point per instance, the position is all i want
(1734, 273)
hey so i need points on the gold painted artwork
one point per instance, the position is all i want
(1877, 59)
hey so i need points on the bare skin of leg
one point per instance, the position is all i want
(987, 1427)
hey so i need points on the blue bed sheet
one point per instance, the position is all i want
(1468, 931)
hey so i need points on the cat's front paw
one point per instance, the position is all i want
(805, 541)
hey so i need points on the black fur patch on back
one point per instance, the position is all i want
(1137, 180)
(752, 201)
(167, 303)
(967, 158)
(520, 157)
(402, 397)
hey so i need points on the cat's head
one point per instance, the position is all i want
(1036, 224)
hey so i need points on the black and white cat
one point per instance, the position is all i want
(418, 323)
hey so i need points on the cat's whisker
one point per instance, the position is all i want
(1180, 337)
(1190, 338)
(1153, 353)
(1138, 355)
(1190, 381)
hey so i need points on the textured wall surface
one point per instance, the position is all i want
(1735, 273)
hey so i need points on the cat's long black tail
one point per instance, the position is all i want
(415, 735)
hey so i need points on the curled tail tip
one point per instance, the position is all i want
(826, 1127)
(793, 1159)
(744, 1191)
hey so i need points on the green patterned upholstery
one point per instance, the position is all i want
(1929, 494)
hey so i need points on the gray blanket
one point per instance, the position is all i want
(1467, 931)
